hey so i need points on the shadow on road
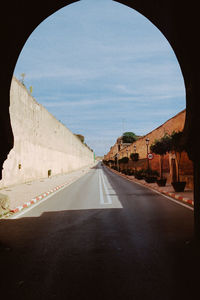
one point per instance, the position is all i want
(94, 254)
(143, 251)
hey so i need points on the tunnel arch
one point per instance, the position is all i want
(162, 16)
(179, 23)
(129, 44)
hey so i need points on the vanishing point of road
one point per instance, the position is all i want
(102, 237)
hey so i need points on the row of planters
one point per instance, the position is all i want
(171, 143)
(168, 143)
(148, 175)
(124, 171)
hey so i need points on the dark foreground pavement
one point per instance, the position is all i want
(138, 246)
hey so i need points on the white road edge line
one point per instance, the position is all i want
(171, 199)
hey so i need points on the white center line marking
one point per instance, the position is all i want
(106, 190)
(100, 190)
(102, 185)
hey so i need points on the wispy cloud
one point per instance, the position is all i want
(111, 64)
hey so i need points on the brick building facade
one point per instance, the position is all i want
(176, 123)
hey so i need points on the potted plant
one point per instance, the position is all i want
(178, 146)
(111, 163)
(134, 156)
(124, 172)
(130, 172)
(161, 147)
(151, 175)
(114, 168)
(123, 160)
(139, 174)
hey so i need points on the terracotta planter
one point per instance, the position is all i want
(139, 177)
(161, 182)
(150, 179)
(179, 186)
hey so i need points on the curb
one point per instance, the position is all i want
(41, 196)
(36, 199)
(172, 195)
(181, 198)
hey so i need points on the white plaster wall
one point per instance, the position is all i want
(41, 142)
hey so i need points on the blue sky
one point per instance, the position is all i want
(101, 68)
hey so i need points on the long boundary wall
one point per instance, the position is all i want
(42, 144)
(175, 123)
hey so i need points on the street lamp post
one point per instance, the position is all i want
(134, 147)
(147, 143)
(127, 156)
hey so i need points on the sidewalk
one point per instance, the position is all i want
(186, 196)
(26, 194)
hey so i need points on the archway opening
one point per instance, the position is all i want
(112, 55)
(120, 252)
(111, 71)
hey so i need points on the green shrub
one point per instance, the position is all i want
(123, 160)
(150, 176)
(150, 173)
(178, 145)
(139, 174)
(124, 171)
(134, 156)
(114, 168)
(130, 172)
(161, 147)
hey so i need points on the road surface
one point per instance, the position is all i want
(102, 237)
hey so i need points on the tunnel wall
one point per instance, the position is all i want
(41, 142)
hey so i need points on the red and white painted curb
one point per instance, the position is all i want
(40, 197)
(172, 195)
(178, 197)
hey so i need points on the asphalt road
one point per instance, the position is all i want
(102, 237)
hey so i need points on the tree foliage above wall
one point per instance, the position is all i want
(129, 137)
(177, 142)
(167, 143)
(161, 146)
